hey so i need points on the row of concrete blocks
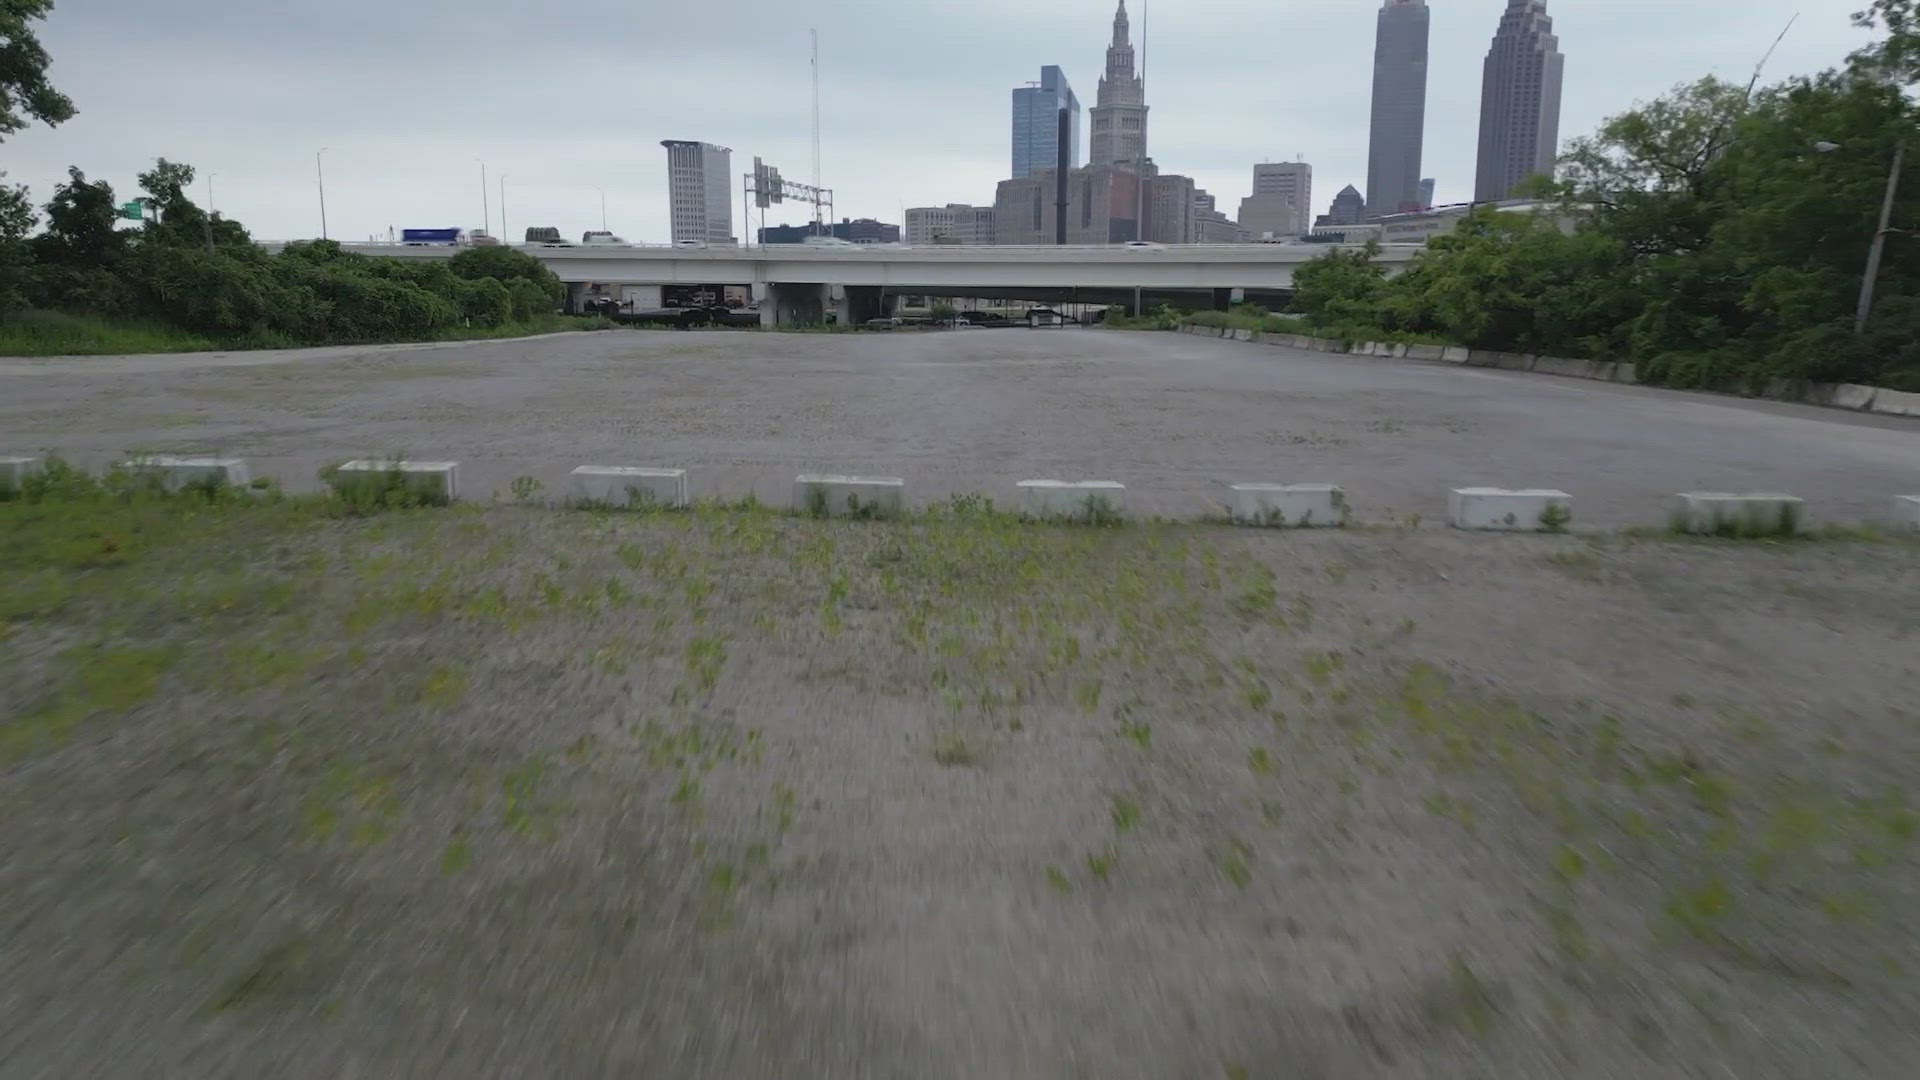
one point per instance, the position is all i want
(1271, 505)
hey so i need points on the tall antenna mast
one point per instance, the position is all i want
(816, 118)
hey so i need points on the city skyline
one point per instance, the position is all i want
(901, 126)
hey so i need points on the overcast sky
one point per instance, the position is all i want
(566, 99)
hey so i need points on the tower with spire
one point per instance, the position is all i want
(1120, 111)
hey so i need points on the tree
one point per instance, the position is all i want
(1514, 281)
(17, 219)
(1341, 287)
(1653, 172)
(1898, 57)
(176, 220)
(80, 225)
(506, 265)
(25, 94)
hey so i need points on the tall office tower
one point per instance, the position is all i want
(1519, 101)
(1036, 123)
(1426, 193)
(1120, 109)
(1399, 107)
(700, 191)
(1272, 180)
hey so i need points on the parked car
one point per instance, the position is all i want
(884, 324)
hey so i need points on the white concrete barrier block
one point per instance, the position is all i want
(621, 485)
(430, 481)
(1456, 354)
(179, 473)
(1853, 396)
(1713, 513)
(848, 496)
(14, 472)
(1895, 403)
(1527, 510)
(1094, 501)
(1289, 506)
(1906, 510)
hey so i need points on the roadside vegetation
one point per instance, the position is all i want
(183, 280)
(1718, 236)
(85, 272)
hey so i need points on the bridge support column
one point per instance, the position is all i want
(858, 303)
(1223, 298)
(577, 292)
(794, 304)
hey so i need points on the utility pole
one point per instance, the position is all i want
(1874, 253)
(503, 208)
(321, 175)
(209, 216)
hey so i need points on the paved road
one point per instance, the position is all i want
(1174, 417)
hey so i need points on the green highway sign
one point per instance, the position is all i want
(133, 211)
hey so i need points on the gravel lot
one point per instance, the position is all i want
(497, 790)
(1174, 417)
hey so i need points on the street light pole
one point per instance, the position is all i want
(486, 212)
(321, 175)
(503, 208)
(603, 208)
(1874, 253)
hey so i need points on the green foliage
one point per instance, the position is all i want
(185, 280)
(1898, 56)
(532, 288)
(1715, 237)
(1247, 317)
(25, 94)
(17, 219)
(1160, 318)
(1341, 286)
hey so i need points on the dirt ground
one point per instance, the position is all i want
(507, 791)
(1174, 417)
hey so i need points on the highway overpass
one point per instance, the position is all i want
(794, 282)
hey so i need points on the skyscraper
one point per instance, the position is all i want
(1036, 123)
(1426, 192)
(1348, 208)
(1519, 101)
(1399, 107)
(700, 191)
(1282, 200)
(1120, 110)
